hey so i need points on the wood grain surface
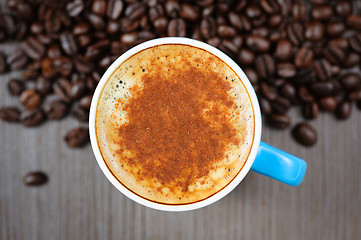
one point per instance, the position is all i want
(80, 203)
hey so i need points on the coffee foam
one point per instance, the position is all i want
(127, 82)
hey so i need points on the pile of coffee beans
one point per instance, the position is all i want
(295, 53)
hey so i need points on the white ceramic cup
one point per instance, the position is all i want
(257, 119)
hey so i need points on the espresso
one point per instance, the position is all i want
(174, 124)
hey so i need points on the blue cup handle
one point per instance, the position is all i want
(279, 165)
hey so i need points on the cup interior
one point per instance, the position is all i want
(257, 119)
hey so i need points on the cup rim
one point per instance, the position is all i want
(257, 121)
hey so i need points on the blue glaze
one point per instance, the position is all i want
(279, 165)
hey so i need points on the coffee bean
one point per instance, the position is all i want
(334, 54)
(177, 28)
(81, 28)
(286, 70)
(343, 110)
(134, 11)
(328, 103)
(289, 91)
(228, 47)
(9, 24)
(63, 65)
(265, 65)
(17, 60)
(54, 51)
(343, 8)
(252, 75)
(114, 8)
(354, 21)
(77, 137)
(36, 28)
(284, 50)
(305, 95)
(304, 76)
(299, 12)
(323, 69)
(33, 48)
(351, 81)
(85, 101)
(9, 114)
(304, 134)
(36, 178)
(96, 21)
(62, 88)
(79, 113)
(32, 118)
(352, 59)
(15, 87)
(295, 33)
(246, 57)
(314, 31)
(268, 91)
(258, 43)
(304, 57)
(208, 27)
(281, 105)
(274, 20)
(84, 40)
(339, 42)
(47, 68)
(310, 110)
(265, 105)
(68, 44)
(77, 90)
(355, 42)
(226, 31)
(322, 12)
(99, 7)
(322, 88)
(82, 65)
(30, 99)
(3, 65)
(335, 28)
(43, 86)
(355, 95)
(279, 121)
(56, 109)
(269, 6)
(74, 8)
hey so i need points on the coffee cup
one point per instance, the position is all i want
(261, 157)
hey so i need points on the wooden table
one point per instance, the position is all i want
(80, 203)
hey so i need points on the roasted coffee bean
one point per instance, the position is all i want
(279, 121)
(269, 6)
(310, 110)
(235, 20)
(105, 62)
(8, 23)
(281, 105)
(304, 134)
(339, 42)
(265, 105)
(355, 42)
(343, 110)
(226, 31)
(323, 69)
(328, 103)
(352, 59)
(134, 11)
(322, 12)
(113, 27)
(351, 81)
(85, 101)
(252, 75)
(286, 70)
(189, 12)
(56, 109)
(177, 28)
(43, 86)
(172, 8)
(126, 25)
(9, 114)
(258, 43)
(305, 95)
(334, 54)
(114, 8)
(284, 50)
(304, 57)
(68, 44)
(335, 28)
(265, 65)
(36, 178)
(285, 7)
(15, 87)
(24, 11)
(289, 91)
(54, 51)
(299, 12)
(36, 28)
(62, 88)
(84, 40)
(33, 48)
(81, 28)
(354, 21)
(79, 113)
(295, 33)
(77, 137)
(304, 76)
(77, 90)
(30, 99)
(96, 21)
(99, 7)
(95, 51)
(3, 65)
(355, 95)
(343, 8)
(82, 65)
(208, 27)
(246, 57)
(74, 8)
(314, 31)
(47, 68)
(268, 91)
(274, 20)
(32, 118)
(322, 88)
(228, 47)
(63, 65)
(161, 24)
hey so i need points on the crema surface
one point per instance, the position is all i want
(174, 124)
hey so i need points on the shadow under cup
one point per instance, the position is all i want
(253, 150)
